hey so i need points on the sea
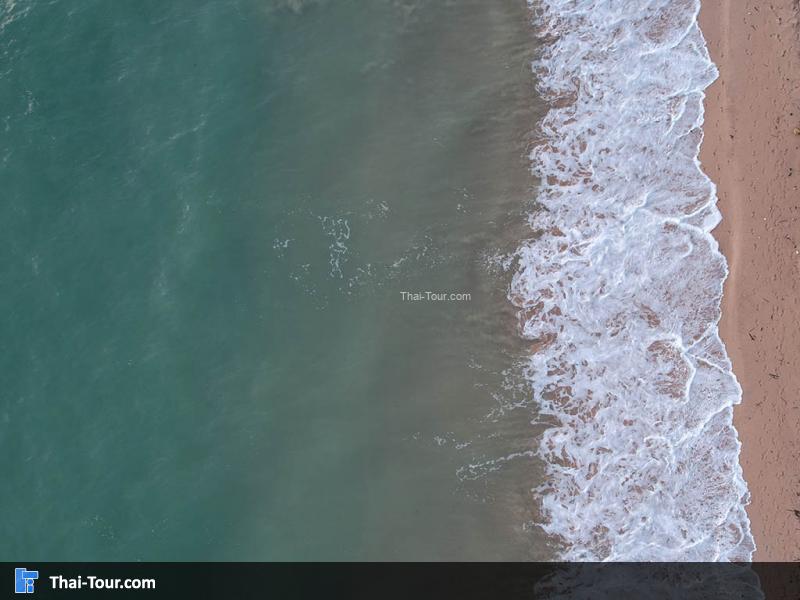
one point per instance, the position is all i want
(621, 291)
(309, 280)
(215, 217)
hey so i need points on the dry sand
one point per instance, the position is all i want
(752, 152)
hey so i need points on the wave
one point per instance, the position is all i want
(619, 290)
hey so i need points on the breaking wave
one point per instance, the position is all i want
(620, 288)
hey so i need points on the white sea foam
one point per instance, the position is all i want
(621, 289)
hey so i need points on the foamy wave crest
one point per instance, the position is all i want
(620, 289)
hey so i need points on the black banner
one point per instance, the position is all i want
(409, 581)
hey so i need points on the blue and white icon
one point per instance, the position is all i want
(23, 580)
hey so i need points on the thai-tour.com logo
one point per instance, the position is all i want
(24, 580)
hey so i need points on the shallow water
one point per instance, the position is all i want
(621, 292)
(210, 211)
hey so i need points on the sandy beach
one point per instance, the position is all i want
(751, 150)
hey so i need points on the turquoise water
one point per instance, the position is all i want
(210, 212)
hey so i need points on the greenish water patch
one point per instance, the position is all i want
(210, 212)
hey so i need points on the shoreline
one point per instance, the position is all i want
(752, 153)
(622, 304)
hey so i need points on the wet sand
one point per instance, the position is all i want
(751, 150)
